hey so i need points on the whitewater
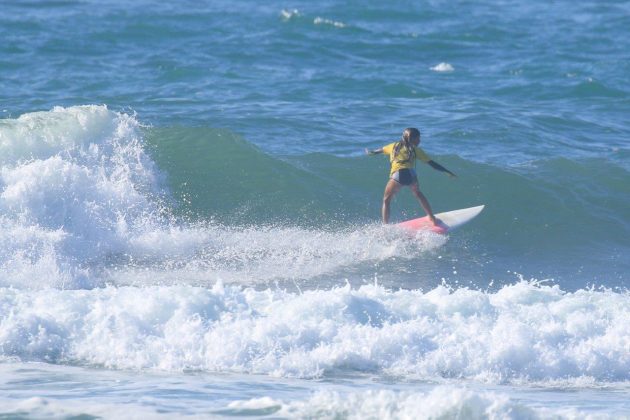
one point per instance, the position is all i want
(523, 332)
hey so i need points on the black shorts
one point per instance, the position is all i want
(405, 177)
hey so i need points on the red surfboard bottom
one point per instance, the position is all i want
(423, 223)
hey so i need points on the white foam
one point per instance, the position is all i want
(290, 14)
(522, 333)
(75, 181)
(441, 403)
(321, 21)
(443, 68)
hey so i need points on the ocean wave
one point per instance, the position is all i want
(91, 197)
(524, 332)
(74, 183)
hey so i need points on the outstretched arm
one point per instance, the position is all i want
(441, 168)
(373, 152)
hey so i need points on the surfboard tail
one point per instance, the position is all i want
(449, 220)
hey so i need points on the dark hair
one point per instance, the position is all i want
(408, 135)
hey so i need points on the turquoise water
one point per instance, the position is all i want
(188, 215)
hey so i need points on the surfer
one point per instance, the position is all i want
(402, 156)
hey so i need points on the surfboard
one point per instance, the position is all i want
(448, 221)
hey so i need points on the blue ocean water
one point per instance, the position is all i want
(190, 226)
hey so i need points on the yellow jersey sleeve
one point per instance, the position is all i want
(388, 149)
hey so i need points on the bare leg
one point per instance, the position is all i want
(423, 202)
(391, 189)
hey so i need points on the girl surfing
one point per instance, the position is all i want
(402, 156)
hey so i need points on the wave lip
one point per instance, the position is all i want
(522, 333)
(75, 183)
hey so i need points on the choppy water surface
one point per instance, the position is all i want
(189, 226)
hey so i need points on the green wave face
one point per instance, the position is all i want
(214, 173)
(546, 214)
